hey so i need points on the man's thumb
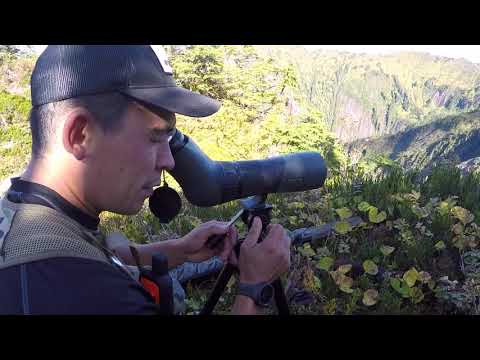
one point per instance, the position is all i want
(252, 236)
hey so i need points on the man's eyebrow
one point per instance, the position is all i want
(167, 116)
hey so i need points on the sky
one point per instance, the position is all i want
(469, 52)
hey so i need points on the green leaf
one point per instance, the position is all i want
(376, 217)
(401, 287)
(340, 201)
(325, 263)
(364, 206)
(411, 276)
(419, 211)
(386, 250)
(306, 250)
(343, 227)
(396, 284)
(416, 295)
(344, 213)
(370, 297)
(462, 214)
(344, 268)
(440, 245)
(357, 199)
(370, 267)
(390, 210)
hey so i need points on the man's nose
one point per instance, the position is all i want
(165, 158)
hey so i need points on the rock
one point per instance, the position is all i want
(469, 166)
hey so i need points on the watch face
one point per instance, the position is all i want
(266, 294)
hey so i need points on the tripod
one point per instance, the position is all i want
(252, 207)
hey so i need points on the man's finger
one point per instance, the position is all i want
(273, 236)
(228, 243)
(217, 228)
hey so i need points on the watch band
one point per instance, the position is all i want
(260, 293)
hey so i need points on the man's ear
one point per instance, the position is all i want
(77, 132)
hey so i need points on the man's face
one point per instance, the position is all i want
(127, 164)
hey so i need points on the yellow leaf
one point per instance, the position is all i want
(344, 268)
(376, 217)
(370, 267)
(370, 297)
(325, 263)
(462, 214)
(335, 276)
(346, 289)
(415, 195)
(364, 206)
(386, 250)
(345, 283)
(344, 213)
(342, 227)
(410, 277)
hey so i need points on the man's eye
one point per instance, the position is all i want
(162, 139)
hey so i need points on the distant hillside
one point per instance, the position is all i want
(364, 95)
(455, 138)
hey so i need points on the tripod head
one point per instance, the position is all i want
(256, 206)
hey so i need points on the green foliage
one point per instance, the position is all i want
(15, 148)
(233, 73)
(253, 122)
(13, 109)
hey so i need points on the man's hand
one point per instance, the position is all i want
(260, 262)
(194, 243)
(265, 261)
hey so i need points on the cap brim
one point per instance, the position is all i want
(176, 99)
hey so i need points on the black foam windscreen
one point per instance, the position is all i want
(165, 204)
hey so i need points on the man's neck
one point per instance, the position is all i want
(56, 180)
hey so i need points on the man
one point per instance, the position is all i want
(101, 121)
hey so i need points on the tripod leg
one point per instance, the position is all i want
(280, 298)
(220, 285)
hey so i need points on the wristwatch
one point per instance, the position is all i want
(261, 293)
